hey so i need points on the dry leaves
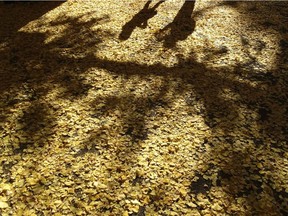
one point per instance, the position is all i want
(92, 124)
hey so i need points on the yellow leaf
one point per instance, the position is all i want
(29, 212)
(191, 204)
(31, 181)
(134, 208)
(216, 207)
(5, 187)
(183, 191)
(69, 183)
(125, 213)
(3, 204)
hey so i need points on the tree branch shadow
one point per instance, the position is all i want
(26, 11)
(201, 83)
(33, 67)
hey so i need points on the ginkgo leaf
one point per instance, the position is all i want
(3, 204)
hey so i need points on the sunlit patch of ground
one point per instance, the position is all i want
(138, 108)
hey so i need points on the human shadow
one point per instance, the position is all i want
(139, 20)
(180, 28)
(207, 84)
(220, 114)
(242, 175)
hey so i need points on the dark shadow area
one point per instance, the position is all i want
(30, 61)
(14, 15)
(182, 26)
(35, 68)
(37, 126)
(32, 67)
(139, 20)
(240, 174)
(206, 83)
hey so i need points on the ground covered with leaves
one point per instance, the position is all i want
(143, 108)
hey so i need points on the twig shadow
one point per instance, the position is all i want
(28, 11)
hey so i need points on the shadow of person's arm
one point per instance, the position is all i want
(139, 20)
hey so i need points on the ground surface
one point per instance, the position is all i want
(117, 108)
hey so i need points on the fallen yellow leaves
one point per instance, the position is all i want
(92, 125)
(3, 202)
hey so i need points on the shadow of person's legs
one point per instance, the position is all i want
(182, 26)
(139, 20)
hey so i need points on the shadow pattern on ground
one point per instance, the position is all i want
(28, 69)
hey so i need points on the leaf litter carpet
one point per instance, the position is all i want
(143, 108)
